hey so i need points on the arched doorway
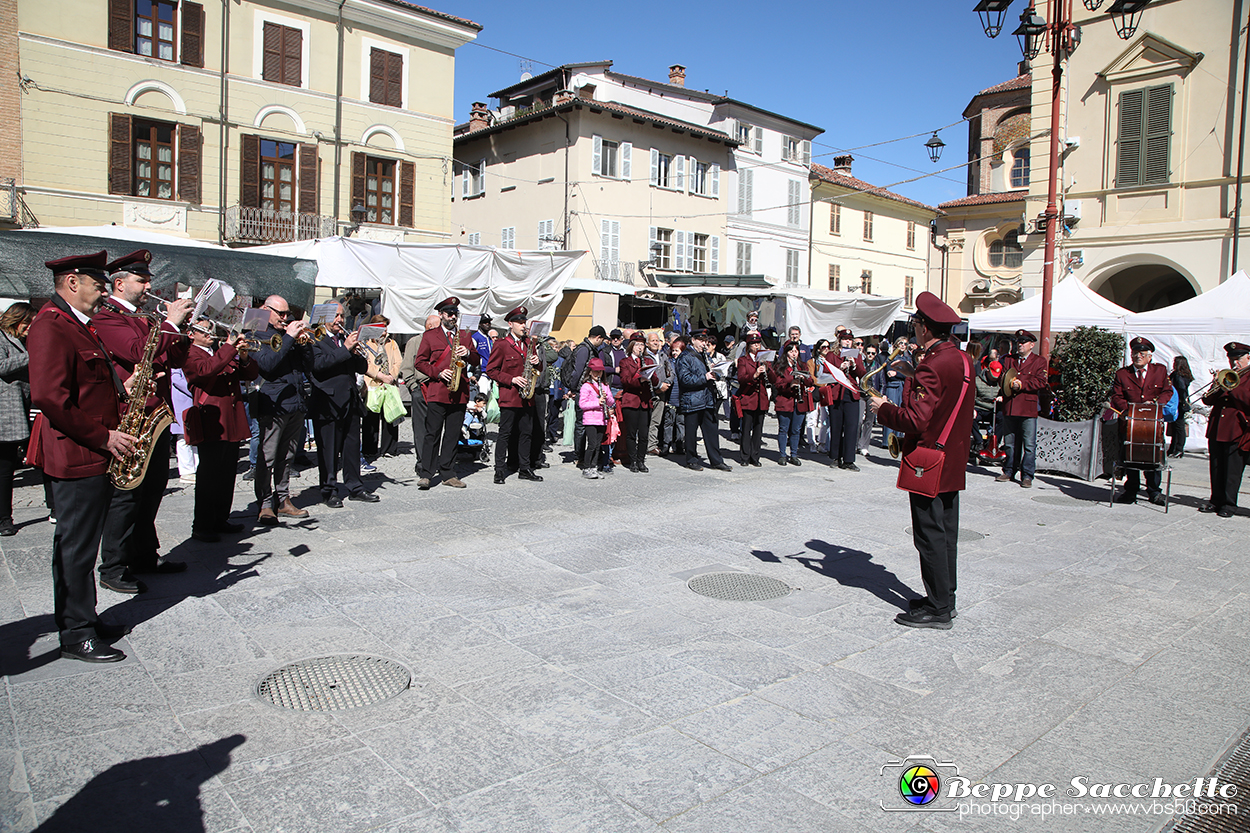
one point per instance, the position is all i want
(1146, 286)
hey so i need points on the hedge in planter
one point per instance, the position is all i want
(1087, 359)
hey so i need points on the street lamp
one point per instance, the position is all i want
(1030, 32)
(991, 13)
(934, 146)
(1127, 13)
(1092, 5)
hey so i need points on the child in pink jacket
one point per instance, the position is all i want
(595, 399)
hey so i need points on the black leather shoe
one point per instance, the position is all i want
(1157, 499)
(757, 464)
(783, 461)
(543, 465)
(164, 568)
(924, 619)
(92, 650)
(642, 467)
(634, 468)
(1126, 498)
(529, 475)
(1207, 507)
(111, 633)
(849, 467)
(334, 502)
(695, 467)
(1226, 512)
(230, 528)
(500, 479)
(922, 603)
(206, 537)
(795, 461)
(364, 497)
(723, 467)
(129, 586)
(7, 527)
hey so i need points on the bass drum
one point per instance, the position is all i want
(1143, 434)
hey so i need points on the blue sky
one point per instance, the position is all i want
(866, 72)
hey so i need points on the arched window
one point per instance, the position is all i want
(1020, 167)
(1006, 252)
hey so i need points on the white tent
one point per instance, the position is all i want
(414, 277)
(817, 315)
(1072, 305)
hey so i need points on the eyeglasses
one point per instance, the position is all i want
(285, 313)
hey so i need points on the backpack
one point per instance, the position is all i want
(568, 370)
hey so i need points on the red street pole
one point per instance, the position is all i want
(1060, 20)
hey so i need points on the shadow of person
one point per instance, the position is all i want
(16, 639)
(855, 568)
(158, 793)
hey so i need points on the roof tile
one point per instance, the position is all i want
(985, 199)
(834, 178)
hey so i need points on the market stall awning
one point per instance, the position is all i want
(1073, 304)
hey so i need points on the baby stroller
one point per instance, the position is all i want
(473, 437)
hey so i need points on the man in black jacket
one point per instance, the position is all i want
(698, 403)
(279, 412)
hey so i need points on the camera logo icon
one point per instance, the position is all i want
(915, 783)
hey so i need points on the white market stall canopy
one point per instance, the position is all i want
(817, 315)
(1073, 304)
(414, 277)
(1224, 310)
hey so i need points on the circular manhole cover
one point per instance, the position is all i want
(964, 534)
(738, 587)
(1064, 500)
(333, 683)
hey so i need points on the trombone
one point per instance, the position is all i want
(1226, 380)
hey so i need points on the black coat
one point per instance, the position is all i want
(280, 374)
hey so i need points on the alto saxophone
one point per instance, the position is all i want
(531, 375)
(457, 363)
(127, 472)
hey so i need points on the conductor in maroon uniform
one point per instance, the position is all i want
(1228, 434)
(941, 387)
(1142, 381)
(130, 542)
(506, 367)
(1020, 410)
(751, 402)
(73, 385)
(445, 408)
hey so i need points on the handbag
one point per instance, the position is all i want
(920, 470)
(1170, 410)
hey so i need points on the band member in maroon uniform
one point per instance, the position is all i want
(506, 366)
(74, 386)
(1020, 410)
(130, 542)
(1228, 434)
(214, 370)
(445, 408)
(636, 399)
(791, 399)
(844, 411)
(752, 399)
(1142, 381)
(942, 387)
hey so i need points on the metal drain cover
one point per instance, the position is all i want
(964, 534)
(739, 587)
(1064, 500)
(333, 683)
(1234, 769)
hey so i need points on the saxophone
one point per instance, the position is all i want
(531, 375)
(127, 472)
(457, 363)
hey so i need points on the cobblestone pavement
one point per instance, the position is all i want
(564, 677)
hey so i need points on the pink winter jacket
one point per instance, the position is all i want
(592, 413)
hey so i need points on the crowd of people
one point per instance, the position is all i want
(615, 397)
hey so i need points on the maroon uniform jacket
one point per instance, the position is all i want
(786, 399)
(1126, 389)
(434, 356)
(72, 385)
(928, 405)
(855, 373)
(508, 359)
(125, 335)
(1230, 413)
(635, 387)
(214, 383)
(752, 392)
(1032, 375)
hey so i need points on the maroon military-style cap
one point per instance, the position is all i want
(845, 334)
(752, 338)
(701, 335)
(1235, 349)
(518, 314)
(933, 308)
(451, 304)
(1139, 344)
(79, 263)
(638, 335)
(1024, 336)
(138, 262)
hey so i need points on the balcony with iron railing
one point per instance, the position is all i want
(13, 209)
(245, 224)
(621, 271)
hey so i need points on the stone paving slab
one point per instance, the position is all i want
(565, 678)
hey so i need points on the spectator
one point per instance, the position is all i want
(595, 403)
(14, 403)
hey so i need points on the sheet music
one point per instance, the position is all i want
(540, 329)
(323, 314)
(372, 332)
(838, 376)
(255, 320)
(470, 321)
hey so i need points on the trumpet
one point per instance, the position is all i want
(868, 389)
(1226, 380)
(309, 335)
(895, 449)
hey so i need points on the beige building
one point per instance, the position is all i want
(242, 122)
(867, 239)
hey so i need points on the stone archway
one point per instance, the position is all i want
(1146, 286)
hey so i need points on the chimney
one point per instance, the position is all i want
(842, 164)
(479, 116)
(677, 75)
(562, 96)
(1024, 67)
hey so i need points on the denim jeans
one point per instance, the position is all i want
(789, 430)
(1020, 443)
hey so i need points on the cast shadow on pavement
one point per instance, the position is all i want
(158, 793)
(855, 568)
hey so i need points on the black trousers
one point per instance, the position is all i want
(418, 424)
(130, 541)
(1154, 481)
(82, 505)
(637, 420)
(704, 420)
(442, 429)
(752, 440)
(10, 456)
(338, 445)
(592, 436)
(377, 436)
(1228, 464)
(843, 430)
(935, 532)
(555, 422)
(516, 439)
(214, 484)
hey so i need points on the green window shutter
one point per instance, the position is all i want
(1129, 139)
(1158, 131)
(1143, 152)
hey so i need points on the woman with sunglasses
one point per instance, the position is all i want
(792, 400)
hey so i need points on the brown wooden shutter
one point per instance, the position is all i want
(192, 34)
(407, 193)
(189, 163)
(377, 76)
(358, 181)
(249, 171)
(292, 48)
(271, 64)
(309, 200)
(122, 25)
(395, 80)
(121, 130)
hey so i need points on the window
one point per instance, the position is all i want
(743, 264)
(153, 150)
(611, 159)
(911, 235)
(507, 238)
(386, 188)
(1006, 252)
(794, 203)
(668, 171)
(792, 267)
(742, 133)
(835, 277)
(154, 159)
(547, 240)
(750, 139)
(865, 285)
(155, 21)
(835, 218)
(282, 61)
(473, 179)
(698, 177)
(796, 150)
(868, 226)
(1020, 167)
(746, 179)
(277, 175)
(610, 240)
(664, 255)
(165, 29)
(386, 78)
(475, 238)
(1144, 139)
(380, 191)
(909, 291)
(698, 252)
